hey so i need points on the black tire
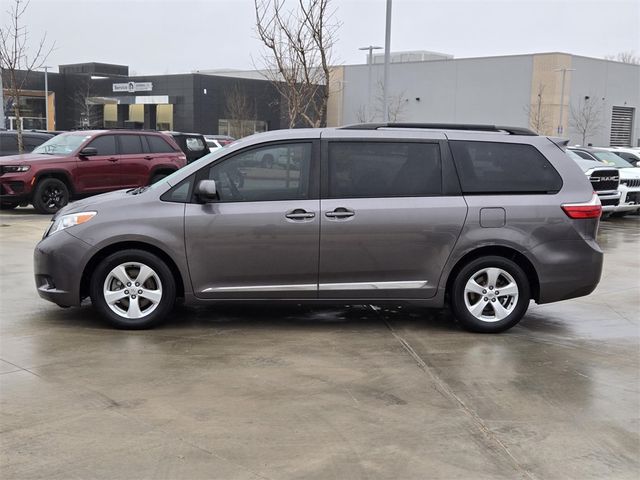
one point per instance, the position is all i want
(517, 306)
(50, 195)
(8, 206)
(155, 315)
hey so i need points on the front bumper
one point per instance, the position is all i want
(58, 263)
(609, 200)
(629, 199)
(14, 191)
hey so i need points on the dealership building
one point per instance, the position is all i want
(105, 95)
(551, 93)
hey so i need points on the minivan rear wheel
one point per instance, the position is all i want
(133, 289)
(490, 294)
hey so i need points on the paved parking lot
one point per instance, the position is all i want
(303, 392)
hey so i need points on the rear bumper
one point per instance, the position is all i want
(567, 269)
(58, 263)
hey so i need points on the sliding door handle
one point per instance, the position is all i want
(340, 213)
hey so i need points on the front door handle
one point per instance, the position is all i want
(148, 157)
(299, 214)
(113, 159)
(340, 212)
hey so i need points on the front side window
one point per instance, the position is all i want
(130, 144)
(384, 169)
(491, 167)
(105, 145)
(269, 173)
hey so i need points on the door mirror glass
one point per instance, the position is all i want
(206, 191)
(88, 152)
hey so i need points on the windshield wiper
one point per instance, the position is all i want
(138, 190)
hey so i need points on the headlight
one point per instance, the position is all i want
(15, 168)
(70, 220)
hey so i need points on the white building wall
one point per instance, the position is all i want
(492, 90)
(610, 84)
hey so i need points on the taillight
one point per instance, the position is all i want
(591, 209)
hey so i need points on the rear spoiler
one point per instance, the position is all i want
(560, 142)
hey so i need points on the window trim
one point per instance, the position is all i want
(314, 169)
(447, 188)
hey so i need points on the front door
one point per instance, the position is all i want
(101, 172)
(386, 227)
(260, 240)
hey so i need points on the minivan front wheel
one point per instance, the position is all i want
(490, 294)
(133, 289)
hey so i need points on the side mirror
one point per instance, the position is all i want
(206, 191)
(88, 152)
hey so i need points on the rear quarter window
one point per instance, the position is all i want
(492, 167)
(159, 145)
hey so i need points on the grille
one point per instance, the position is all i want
(631, 182)
(605, 180)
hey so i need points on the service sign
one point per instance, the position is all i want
(131, 87)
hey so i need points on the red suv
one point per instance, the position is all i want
(82, 163)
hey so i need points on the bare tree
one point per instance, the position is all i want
(83, 100)
(241, 112)
(625, 57)
(298, 46)
(397, 106)
(538, 112)
(15, 57)
(586, 118)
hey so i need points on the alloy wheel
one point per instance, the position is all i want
(132, 290)
(491, 294)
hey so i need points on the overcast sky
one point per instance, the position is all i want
(177, 36)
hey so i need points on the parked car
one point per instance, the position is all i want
(605, 181)
(220, 140)
(629, 177)
(81, 163)
(482, 218)
(630, 154)
(193, 145)
(30, 140)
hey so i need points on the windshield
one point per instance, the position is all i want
(61, 144)
(611, 158)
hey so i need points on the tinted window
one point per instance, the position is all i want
(158, 144)
(376, 169)
(584, 155)
(105, 144)
(486, 167)
(32, 142)
(9, 143)
(130, 144)
(270, 173)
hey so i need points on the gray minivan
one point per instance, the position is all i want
(482, 218)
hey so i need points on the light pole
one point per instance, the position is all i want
(564, 71)
(387, 59)
(46, 96)
(371, 48)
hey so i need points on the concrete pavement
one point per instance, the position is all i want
(299, 392)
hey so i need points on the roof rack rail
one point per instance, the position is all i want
(442, 126)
